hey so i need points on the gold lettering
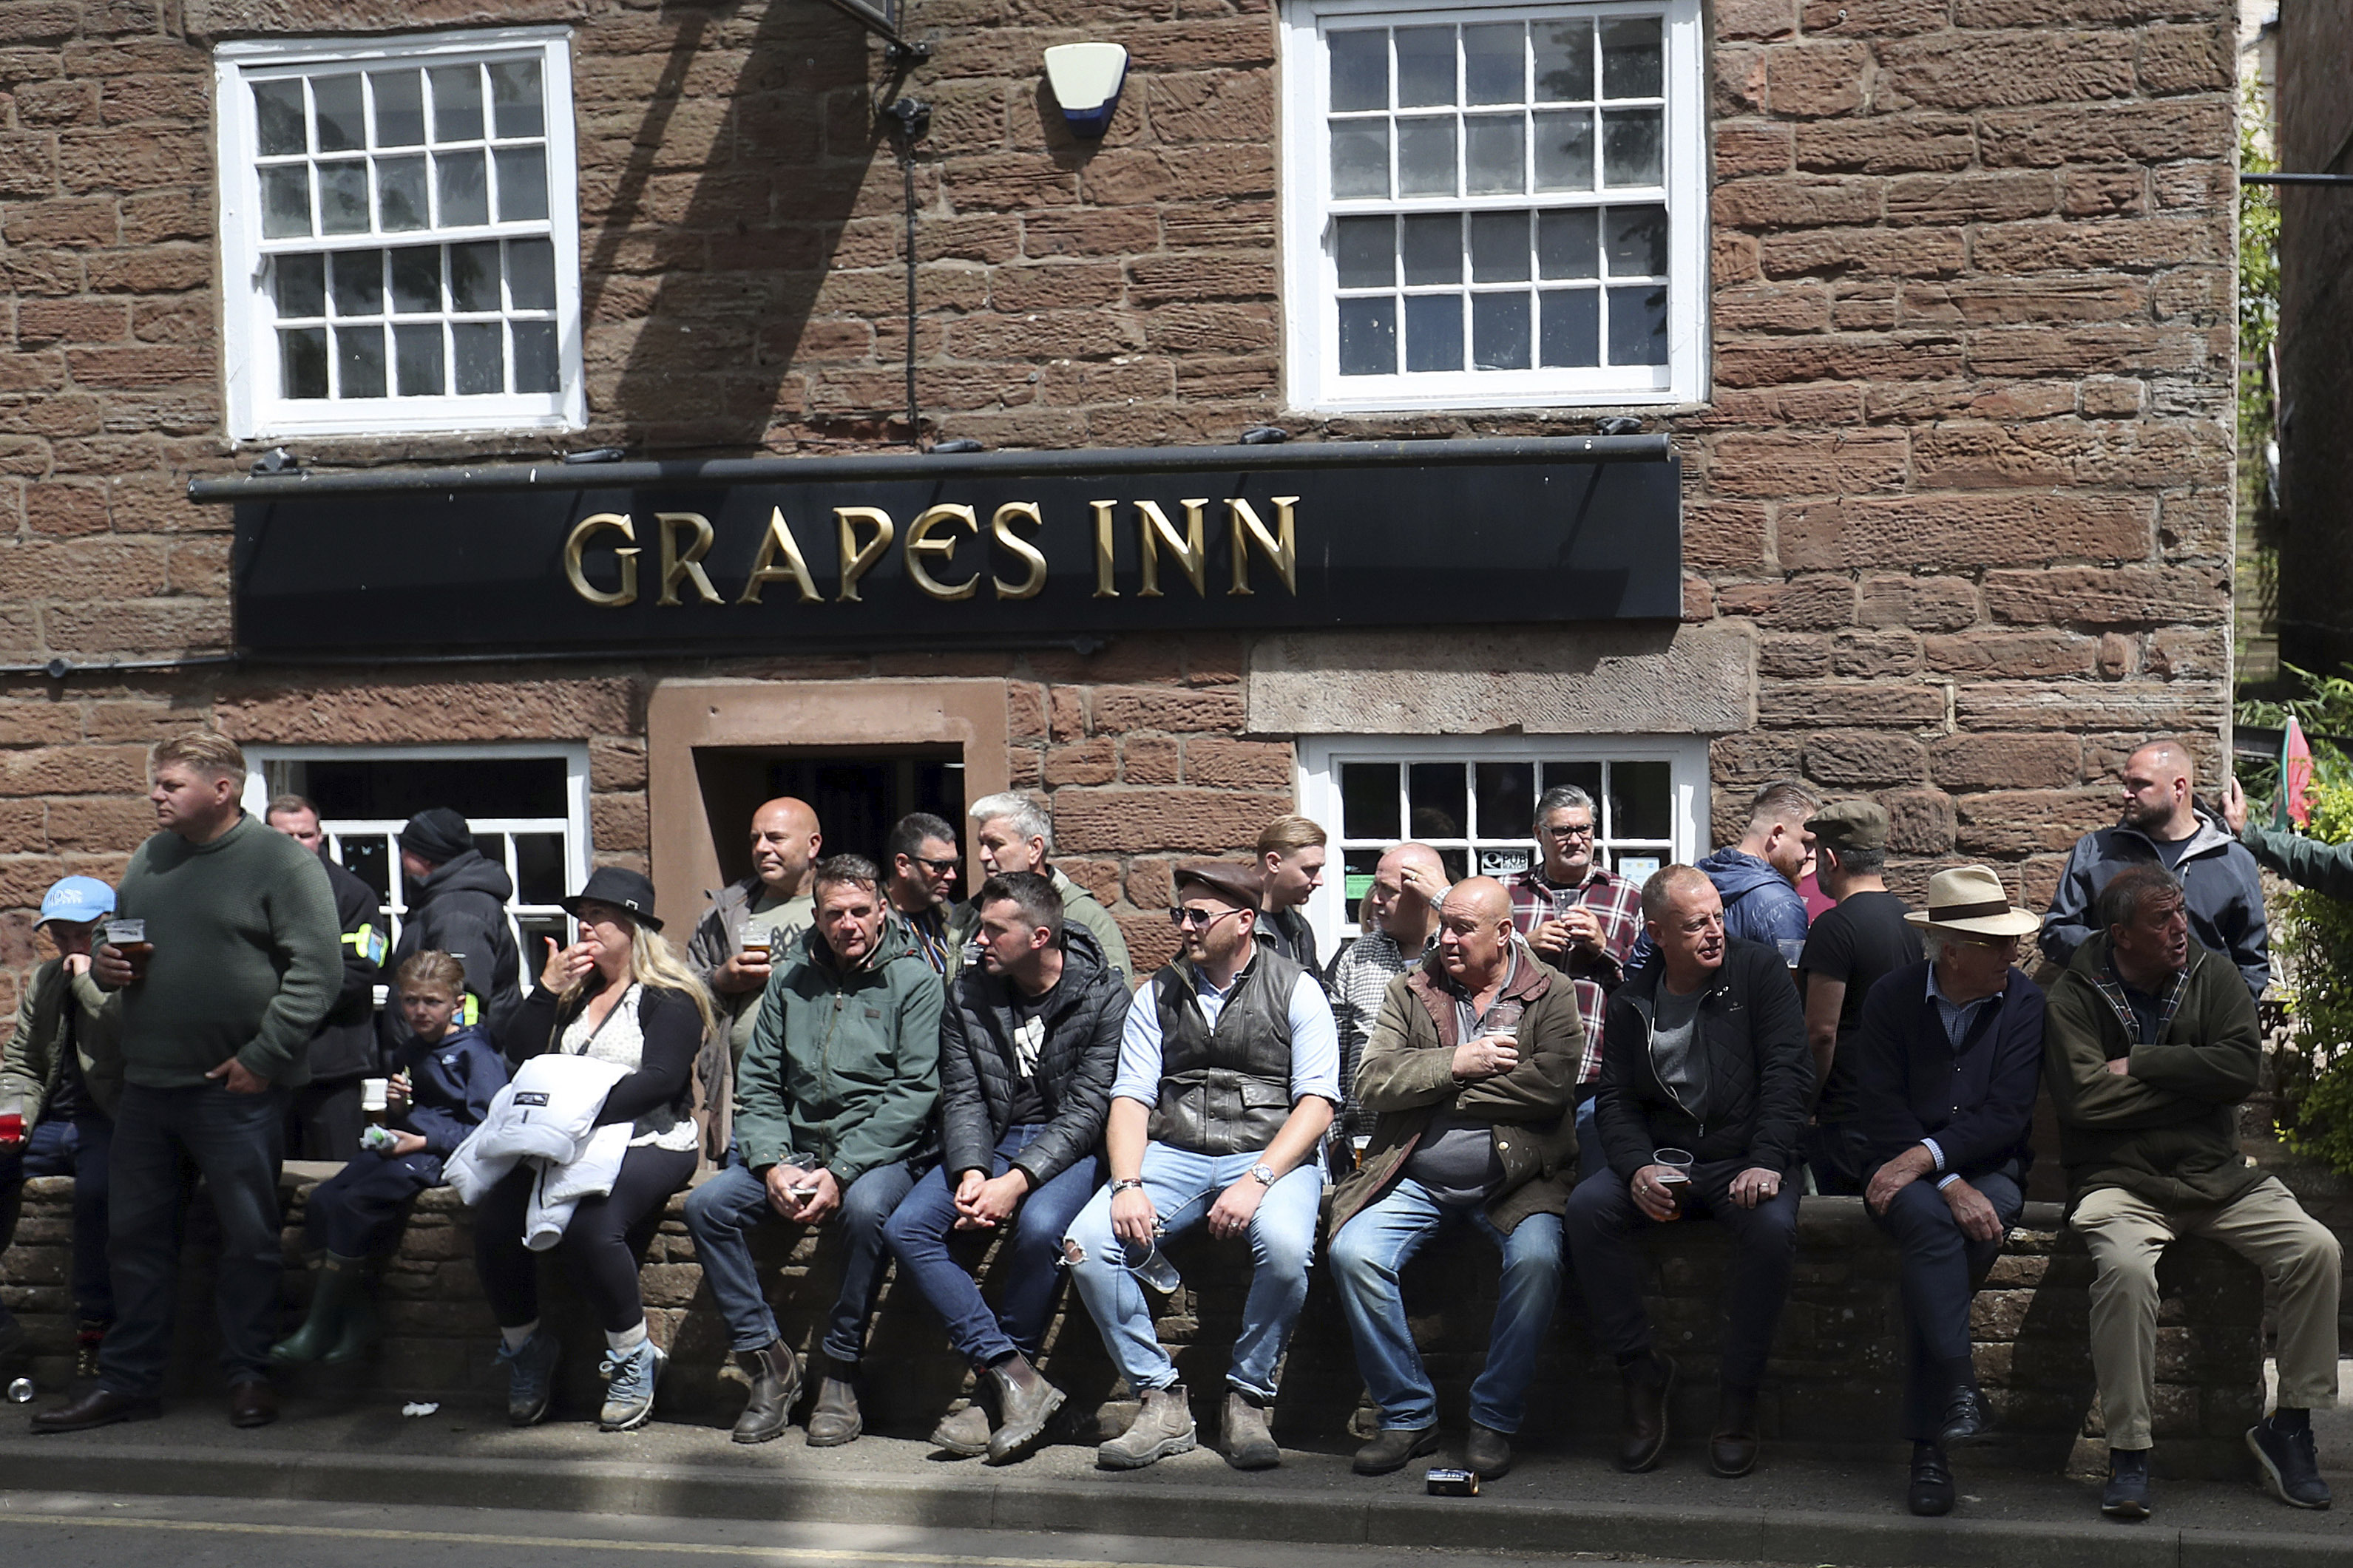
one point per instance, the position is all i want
(1280, 548)
(1000, 528)
(858, 559)
(921, 542)
(1102, 510)
(577, 545)
(764, 569)
(1155, 532)
(685, 564)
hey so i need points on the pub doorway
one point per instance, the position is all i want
(858, 796)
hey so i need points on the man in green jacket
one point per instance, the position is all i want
(2151, 1043)
(2327, 868)
(239, 958)
(833, 1102)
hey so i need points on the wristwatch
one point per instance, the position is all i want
(1264, 1173)
(1119, 1187)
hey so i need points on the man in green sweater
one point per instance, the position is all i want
(239, 962)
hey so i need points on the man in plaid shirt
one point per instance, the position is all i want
(1583, 920)
(1401, 920)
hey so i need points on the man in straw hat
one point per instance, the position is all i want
(1946, 1066)
(2152, 1044)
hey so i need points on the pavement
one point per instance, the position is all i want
(1793, 1510)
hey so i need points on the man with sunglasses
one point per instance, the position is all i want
(1229, 1072)
(916, 883)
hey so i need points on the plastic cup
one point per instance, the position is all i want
(128, 936)
(1793, 947)
(1677, 1180)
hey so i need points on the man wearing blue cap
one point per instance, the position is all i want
(57, 1094)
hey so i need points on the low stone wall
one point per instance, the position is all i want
(1834, 1383)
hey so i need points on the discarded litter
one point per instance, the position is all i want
(418, 1409)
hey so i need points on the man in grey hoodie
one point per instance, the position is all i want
(461, 910)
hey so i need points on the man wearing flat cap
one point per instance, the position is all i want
(1847, 951)
(1229, 1073)
(459, 908)
(1945, 1069)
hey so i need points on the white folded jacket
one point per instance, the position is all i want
(546, 1114)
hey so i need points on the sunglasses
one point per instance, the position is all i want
(1183, 919)
(936, 868)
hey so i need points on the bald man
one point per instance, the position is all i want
(1400, 920)
(2163, 825)
(753, 922)
(1472, 1070)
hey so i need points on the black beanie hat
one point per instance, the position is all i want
(440, 835)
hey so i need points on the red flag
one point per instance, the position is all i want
(2295, 777)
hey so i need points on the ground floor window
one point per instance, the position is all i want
(1474, 800)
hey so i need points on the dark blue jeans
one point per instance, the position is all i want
(720, 1216)
(76, 1148)
(163, 1139)
(1025, 1273)
(1941, 1271)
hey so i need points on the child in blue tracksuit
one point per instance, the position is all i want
(449, 1075)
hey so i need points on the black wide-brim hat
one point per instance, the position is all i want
(622, 888)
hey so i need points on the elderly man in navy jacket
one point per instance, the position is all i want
(1949, 1061)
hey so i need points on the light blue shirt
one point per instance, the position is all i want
(1314, 1040)
(1957, 1017)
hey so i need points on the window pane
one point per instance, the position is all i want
(531, 275)
(534, 357)
(1360, 160)
(1425, 61)
(1361, 70)
(302, 361)
(1359, 867)
(515, 102)
(1638, 325)
(1638, 242)
(481, 357)
(278, 117)
(1632, 58)
(457, 103)
(359, 361)
(1440, 796)
(416, 360)
(1433, 331)
(1564, 150)
(1499, 247)
(359, 282)
(1572, 327)
(399, 108)
(1642, 800)
(523, 183)
(342, 198)
(300, 283)
(1426, 158)
(341, 128)
(416, 279)
(1363, 250)
(474, 277)
(1564, 61)
(539, 868)
(1633, 147)
(1506, 796)
(1369, 801)
(369, 858)
(1492, 63)
(1586, 777)
(1433, 249)
(464, 187)
(1368, 337)
(285, 201)
(400, 203)
(1566, 243)
(1498, 331)
(1496, 154)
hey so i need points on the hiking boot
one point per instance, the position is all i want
(965, 1433)
(630, 1378)
(1488, 1453)
(1249, 1444)
(1024, 1403)
(530, 1377)
(1162, 1428)
(775, 1374)
(1394, 1447)
(833, 1419)
(2126, 1496)
(2291, 1467)
(1650, 1379)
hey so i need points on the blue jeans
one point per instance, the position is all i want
(1026, 1270)
(719, 1214)
(1182, 1186)
(1941, 1271)
(1591, 1155)
(163, 1139)
(76, 1148)
(1370, 1252)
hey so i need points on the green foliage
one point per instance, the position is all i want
(2313, 937)
(2259, 226)
(2324, 708)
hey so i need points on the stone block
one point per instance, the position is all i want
(1918, 603)
(1811, 704)
(1971, 762)
(1151, 760)
(1920, 821)
(1861, 758)
(1146, 821)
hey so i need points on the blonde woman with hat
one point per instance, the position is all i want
(1946, 1063)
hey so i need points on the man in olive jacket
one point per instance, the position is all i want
(833, 1101)
(2151, 1043)
(1472, 1070)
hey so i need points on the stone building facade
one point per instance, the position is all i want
(1948, 368)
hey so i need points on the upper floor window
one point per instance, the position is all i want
(400, 234)
(1494, 206)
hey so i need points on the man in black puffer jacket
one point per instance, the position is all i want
(1028, 1048)
(461, 910)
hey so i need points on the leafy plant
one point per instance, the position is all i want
(2313, 937)
(2324, 708)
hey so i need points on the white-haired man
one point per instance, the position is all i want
(1012, 833)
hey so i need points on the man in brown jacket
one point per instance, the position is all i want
(1472, 1072)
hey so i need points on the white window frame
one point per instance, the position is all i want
(261, 758)
(1321, 757)
(251, 363)
(1311, 279)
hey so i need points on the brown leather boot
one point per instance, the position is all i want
(1732, 1449)
(775, 1374)
(1024, 1403)
(1650, 1379)
(833, 1419)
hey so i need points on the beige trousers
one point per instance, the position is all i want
(2266, 1226)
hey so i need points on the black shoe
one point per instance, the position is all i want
(1650, 1379)
(99, 1407)
(1731, 1446)
(1488, 1453)
(2126, 1496)
(2291, 1467)
(1967, 1419)
(1393, 1448)
(1931, 1496)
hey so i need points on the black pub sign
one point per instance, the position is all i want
(976, 547)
